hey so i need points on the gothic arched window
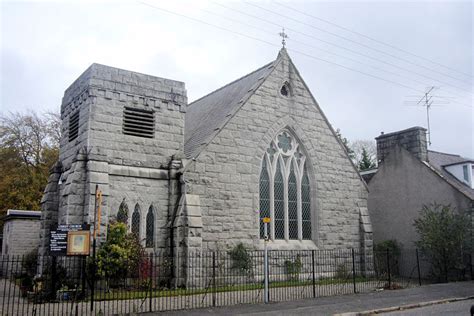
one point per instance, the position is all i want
(150, 228)
(136, 221)
(264, 196)
(122, 214)
(285, 189)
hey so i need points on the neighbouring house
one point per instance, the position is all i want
(410, 176)
(201, 176)
(20, 232)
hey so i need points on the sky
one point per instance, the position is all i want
(364, 61)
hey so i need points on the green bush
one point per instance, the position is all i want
(119, 256)
(394, 250)
(241, 259)
(444, 239)
(293, 268)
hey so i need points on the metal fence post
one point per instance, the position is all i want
(150, 261)
(314, 275)
(470, 266)
(388, 269)
(53, 278)
(418, 267)
(353, 270)
(213, 278)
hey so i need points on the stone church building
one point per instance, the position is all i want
(201, 176)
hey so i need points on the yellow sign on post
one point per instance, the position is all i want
(266, 219)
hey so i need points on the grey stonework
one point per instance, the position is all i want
(208, 200)
(412, 139)
(20, 233)
(226, 173)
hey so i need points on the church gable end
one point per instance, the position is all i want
(229, 173)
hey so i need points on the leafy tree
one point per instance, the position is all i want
(120, 255)
(366, 161)
(443, 238)
(28, 149)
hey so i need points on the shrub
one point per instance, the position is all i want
(241, 259)
(443, 238)
(293, 268)
(394, 251)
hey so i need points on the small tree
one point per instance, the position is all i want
(443, 238)
(120, 255)
(366, 162)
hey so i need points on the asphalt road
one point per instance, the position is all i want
(455, 308)
(354, 304)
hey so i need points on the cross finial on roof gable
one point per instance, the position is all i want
(284, 36)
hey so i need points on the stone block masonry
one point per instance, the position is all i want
(126, 168)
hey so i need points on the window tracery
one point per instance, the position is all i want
(285, 189)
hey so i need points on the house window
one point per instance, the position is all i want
(122, 214)
(150, 228)
(138, 122)
(136, 221)
(285, 192)
(74, 126)
(465, 173)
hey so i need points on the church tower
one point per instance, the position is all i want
(123, 132)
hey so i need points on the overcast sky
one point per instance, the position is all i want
(361, 67)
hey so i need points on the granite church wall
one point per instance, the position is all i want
(226, 173)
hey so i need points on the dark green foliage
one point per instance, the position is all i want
(443, 238)
(241, 259)
(394, 250)
(120, 255)
(293, 268)
(366, 162)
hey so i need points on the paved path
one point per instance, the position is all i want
(353, 304)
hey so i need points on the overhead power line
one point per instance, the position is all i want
(342, 47)
(370, 38)
(272, 44)
(275, 45)
(319, 48)
(350, 40)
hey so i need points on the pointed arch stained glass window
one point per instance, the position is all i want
(306, 206)
(292, 205)
(136, 221)
(285, 192)
(150, 228)
(122, 214)
(264, 196)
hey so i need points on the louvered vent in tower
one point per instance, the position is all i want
(138, 122)
(73, 126)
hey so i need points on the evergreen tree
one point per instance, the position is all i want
(366, 162)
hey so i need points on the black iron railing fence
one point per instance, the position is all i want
(47, 285)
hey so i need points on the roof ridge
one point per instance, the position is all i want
(440, 152)
(230, 83)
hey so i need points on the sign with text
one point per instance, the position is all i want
(59, 237)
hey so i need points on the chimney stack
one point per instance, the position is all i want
(412, 139)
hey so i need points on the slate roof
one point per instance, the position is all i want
(206, 116)
(438, 160)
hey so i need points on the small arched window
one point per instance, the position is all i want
(136, 221)
(122, 214)
(285, 90)
(150, 228)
